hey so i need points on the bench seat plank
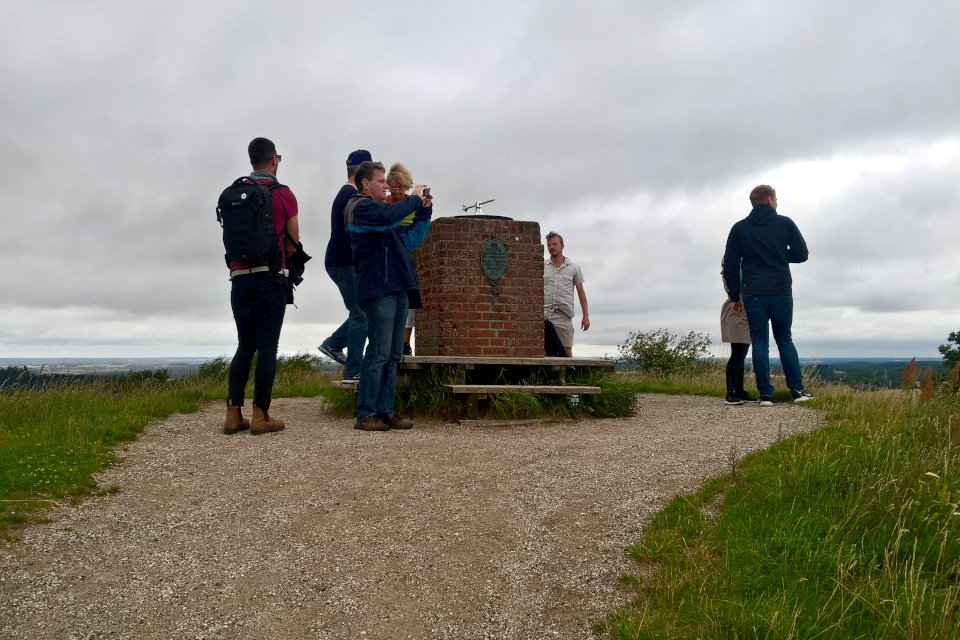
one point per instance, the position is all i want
(502, 388)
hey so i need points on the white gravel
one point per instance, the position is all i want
(321, 531)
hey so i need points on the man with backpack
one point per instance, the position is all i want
(260, 231)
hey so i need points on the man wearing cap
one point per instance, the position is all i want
(352, 334)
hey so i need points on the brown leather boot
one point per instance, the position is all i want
(263, 423)
(234, 421)
(396, 422)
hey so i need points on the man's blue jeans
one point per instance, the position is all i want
(353, 332)
(386, 319)
(777, 311)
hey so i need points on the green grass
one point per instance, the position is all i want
(852, 531)
(54, 437)
(708, 378)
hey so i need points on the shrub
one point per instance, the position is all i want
(662, 352)
(215, 369)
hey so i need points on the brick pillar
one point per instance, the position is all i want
(464, 312)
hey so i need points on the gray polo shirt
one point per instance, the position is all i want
(558, 285)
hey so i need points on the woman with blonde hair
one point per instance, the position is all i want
(400, 180)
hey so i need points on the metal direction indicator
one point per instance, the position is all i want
(478, 207)
(493, 259)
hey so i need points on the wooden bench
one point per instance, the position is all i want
(475, 392)
(557, 367)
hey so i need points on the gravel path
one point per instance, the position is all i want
(321, 531)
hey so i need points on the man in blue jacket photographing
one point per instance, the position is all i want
(386, 281)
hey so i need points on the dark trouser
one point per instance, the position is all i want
(551, 341)
(259, 301)
(765, 313)
(735, 366)
(353, 332)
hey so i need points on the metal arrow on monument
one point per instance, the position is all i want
(476, 206)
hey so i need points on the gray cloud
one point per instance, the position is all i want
(639, 126)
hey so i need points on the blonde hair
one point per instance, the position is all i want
(399, 173)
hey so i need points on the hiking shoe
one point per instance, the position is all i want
(800, 395)
(407, 351)
(371, 423)
(746, 397)
(733, 398)
(334, 354)
(766, 402)
(396, 422)
(262, 423)
(234, 422)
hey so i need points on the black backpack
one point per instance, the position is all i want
(245, 211)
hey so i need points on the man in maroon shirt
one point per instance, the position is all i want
(258, 297)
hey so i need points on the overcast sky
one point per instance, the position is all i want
(636, 129)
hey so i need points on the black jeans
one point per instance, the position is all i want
(735, 366)
(259, 301)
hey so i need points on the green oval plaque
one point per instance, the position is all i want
(493, 259)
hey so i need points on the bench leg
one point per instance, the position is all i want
(470, 407)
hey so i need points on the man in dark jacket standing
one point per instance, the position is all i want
(339, 264)
(761, 248)
(386, 279)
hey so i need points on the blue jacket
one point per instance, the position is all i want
(762, 246)
(380, 244)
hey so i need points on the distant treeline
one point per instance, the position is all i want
(873, 375)
(21, 377)
(877, 375)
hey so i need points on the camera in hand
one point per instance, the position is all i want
(426, 193)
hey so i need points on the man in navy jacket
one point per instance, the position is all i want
(760, 249)
(339, 264)
(386, 279)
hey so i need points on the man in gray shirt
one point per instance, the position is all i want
(560, 277)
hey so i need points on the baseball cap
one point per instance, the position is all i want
(358, 156)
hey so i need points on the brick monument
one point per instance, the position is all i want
(481, 279)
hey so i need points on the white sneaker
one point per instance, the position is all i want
(800, 396)
(766, 402)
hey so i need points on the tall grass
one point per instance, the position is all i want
(852, 531)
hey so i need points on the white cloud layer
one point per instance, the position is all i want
(635, 129)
